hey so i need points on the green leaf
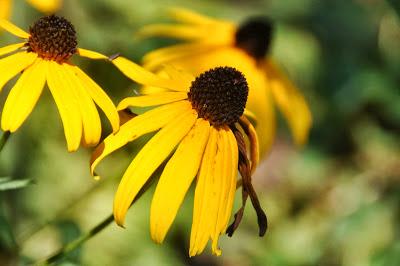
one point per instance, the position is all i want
(6, 183)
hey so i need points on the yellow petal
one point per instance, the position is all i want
(46, 6)
(11, 28)
(204, 207)
(5, 9)
(152, 100)
(290, 102)
(184, 32)
(11, 65)
(136, 127)
(224, 190)
(90, 117)
(148, 160)
(155, 59)
(91, 54)
(188, 16)
(176, 179)
(100, 98)
(67, 105)
(10, 48)
(142, 76)
(23, 96)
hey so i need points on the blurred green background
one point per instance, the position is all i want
(334, 202)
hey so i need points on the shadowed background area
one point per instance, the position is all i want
(334, 202)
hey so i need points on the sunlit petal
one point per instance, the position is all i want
(152, 100)
(11, 65)
(148, 159)
(67, 105)
(100, 98)
(13, 29)
(10, 48)
(176, 178)
(136, 127)
(90, 117)
(91, 54)
(23, 96)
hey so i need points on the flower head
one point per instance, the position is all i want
(197, 125)
(43, 57)
(213, 42)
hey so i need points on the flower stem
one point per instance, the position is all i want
(68, 248)
(77, 242)
(3, 139)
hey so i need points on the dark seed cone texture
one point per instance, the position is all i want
(219, 95)
(53, 38)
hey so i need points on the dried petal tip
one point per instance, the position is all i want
(53, 38)
(219, 95)
(254, 37)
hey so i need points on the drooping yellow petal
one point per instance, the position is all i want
(5, 9)
(204, 207)
(224, 190)
(90, 117)
(46, 6)
(67, 105)
(91, 54)
(11, 65)
(147, 161)
(290, 102)
(176, 178)
(152, 100)
(188, 16)
(142, 124)
(215, 191)
(23, 96)
(100, 98)
(13, 29)
(10, 48)
(144, 77)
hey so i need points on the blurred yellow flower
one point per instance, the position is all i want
(45, 6)
(44, 56)
(212, 42)
(199, 118)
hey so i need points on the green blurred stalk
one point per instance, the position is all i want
(63, 252)
(68, 248)
(4, 138)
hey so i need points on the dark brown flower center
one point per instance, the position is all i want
(254, 37)
(53, 38)
(219, 95)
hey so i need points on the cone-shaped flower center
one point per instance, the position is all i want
(254, 36)
(53, 38)
(219, 95)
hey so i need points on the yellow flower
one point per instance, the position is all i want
(44, 56)
(212, 42)
(197, 122)
(45, 6)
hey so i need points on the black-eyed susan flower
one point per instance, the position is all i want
(44, 56)
(45, 6)
(197, 123)
(212, 42)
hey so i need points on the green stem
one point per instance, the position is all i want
(3, 139)
(77, 242)
(68, 248)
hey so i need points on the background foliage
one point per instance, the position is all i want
(335, 202)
